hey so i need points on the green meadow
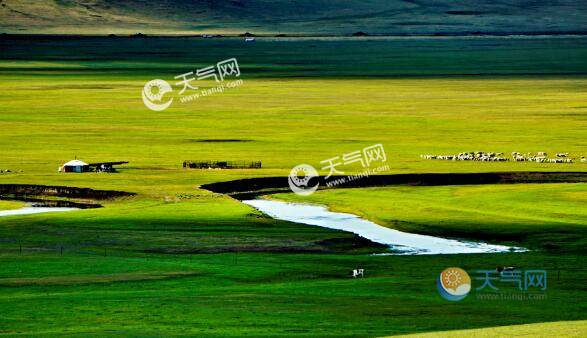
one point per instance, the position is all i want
(284, 122)
(179, 260)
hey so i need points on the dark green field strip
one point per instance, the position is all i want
(247, 188)
(278, 294)
(59, 191)
(90, 279)
(302, 57)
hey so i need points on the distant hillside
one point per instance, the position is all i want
(293, 16)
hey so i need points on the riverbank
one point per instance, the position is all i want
(547, 217)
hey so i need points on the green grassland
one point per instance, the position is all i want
(262, 294)
(287, 122)
(179, 260)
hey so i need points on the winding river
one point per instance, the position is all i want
(401, 243)
(32, 210)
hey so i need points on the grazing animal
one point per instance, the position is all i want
(358, 272)
(542, 154)
(562, 154)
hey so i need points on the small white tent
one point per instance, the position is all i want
(74, 166)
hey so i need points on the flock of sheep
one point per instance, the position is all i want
(540, 157)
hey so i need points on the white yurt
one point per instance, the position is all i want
(74, 166)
